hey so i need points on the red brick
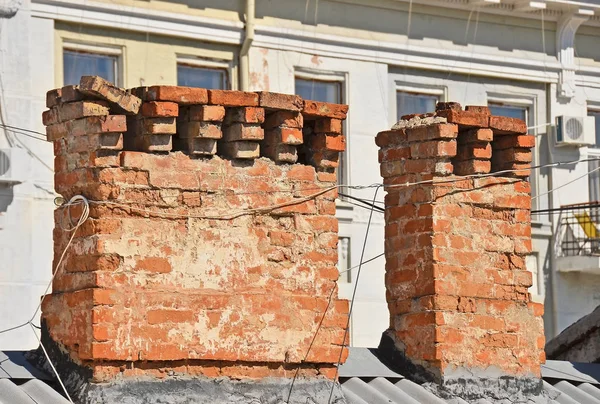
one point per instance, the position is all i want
(478, 109)
(71, 93)
(467, 167)
(512, 155)
(210, 113)
(158, 126)
(432, 132)
(326, 159)
(288, 136)
(476, 135)
(516, 141)
(197, 129)
(153, 264)
(465, 119)
(97, 124)
(230, 98)
(317, 109)
(322, 141)
(53, 98)
(395, 154)
(474, 151)
(279, 152)
(280, 101)
(328, 126)
(433, 149)
(155, 109)
(240, 149)
(286, 119)
(391, 138)
(153, 142)
(170, 316)
(118, 98)
(240, 131)
(245, 115)
(442, 106)
(506, 125)
(178, 94)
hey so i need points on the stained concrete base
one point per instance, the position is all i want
(469, 384)
(213, 391)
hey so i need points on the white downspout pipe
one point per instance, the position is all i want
(248, 39)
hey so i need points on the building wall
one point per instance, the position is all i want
(472, 57)
(26, 208)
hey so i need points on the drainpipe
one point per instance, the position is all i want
(248, 39)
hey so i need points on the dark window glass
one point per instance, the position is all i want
(410, 103)
(203, 77)
(318, 90)
(511, 111)
(77, 64)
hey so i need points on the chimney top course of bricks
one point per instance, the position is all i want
(461, 316)
(210, 252)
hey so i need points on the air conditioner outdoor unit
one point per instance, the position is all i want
(575, 131)
(13, 166)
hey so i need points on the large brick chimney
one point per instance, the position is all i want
(172, 277)
(461, 316)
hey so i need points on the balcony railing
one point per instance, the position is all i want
(579, 230)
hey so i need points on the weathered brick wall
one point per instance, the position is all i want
(455, 247)
(165, 275)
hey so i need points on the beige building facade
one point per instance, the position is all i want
(385, 58)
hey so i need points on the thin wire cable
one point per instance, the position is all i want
(333, 289)
(23, 129)
(565, 184)
(362, 256)
(51, 364)
(362, 263)
(379, 208)
(229, 216)
(77, 199)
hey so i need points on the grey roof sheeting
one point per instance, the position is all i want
(366, 380)
(22, 383)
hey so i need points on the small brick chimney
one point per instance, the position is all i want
(171, 277)
(461, 316)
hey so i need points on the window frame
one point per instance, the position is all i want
(203, 63)
(98, 49)
(340, 77)
(530, 103)
(595, 108)
(429, 92)
(441, 91)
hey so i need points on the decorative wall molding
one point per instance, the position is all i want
(565, 45)
(140, 19)
(8, 8)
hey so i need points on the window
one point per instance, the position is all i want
(344, 259)
(204, 77)
(413, 103)
(596, 115)
(324, 91)
(512, 111)
(319, 90)
(520, 108)
(79, 62)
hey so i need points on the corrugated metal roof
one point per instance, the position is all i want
(366, 380)
(22, 383)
